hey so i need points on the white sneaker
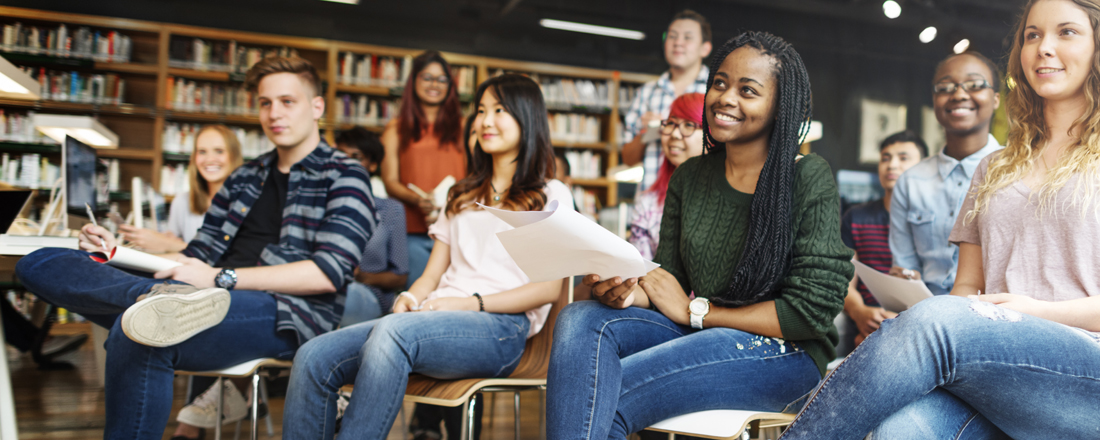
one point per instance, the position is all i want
(173, 313)
(203, 411)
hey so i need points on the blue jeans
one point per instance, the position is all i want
(614, 372)
(139, 378)
(420, 248)
(361, 305)
(377, 356)
(952, 368)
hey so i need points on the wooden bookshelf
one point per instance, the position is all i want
(141, 119)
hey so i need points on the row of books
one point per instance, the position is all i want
(587, 202)
(220, 56)
(28, 170)
(197, 96)
(583, 164)
(373, 70)
(107, 88)
(627, 93)
(574, 127)
(567, 93)
(179, 138)
(174, 179)
(362, 110)
(62, 41)
(19, 127)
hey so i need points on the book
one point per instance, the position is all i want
(132, 259)
(25, 244)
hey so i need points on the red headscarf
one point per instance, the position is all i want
(688, 106)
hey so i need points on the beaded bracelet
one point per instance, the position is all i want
(480, 302)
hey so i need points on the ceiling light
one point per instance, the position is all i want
(350, 2)
(962, 45)
(83, 128)
(928, 34)
(891, 9)
(16, 84)
(592, 29)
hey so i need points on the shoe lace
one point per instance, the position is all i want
(167, 288)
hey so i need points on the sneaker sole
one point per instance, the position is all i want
(166, 320)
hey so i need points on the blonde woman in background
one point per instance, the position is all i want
(1022, 361)
(216, 154)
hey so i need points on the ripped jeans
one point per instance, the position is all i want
(614, 372)
(953, 368)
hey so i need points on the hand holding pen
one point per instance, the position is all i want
(93, 234)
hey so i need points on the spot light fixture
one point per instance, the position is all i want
(962, 45)
(928, 34)
(891, 9)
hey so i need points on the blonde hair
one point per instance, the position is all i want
(200, 188)
(1028, 132)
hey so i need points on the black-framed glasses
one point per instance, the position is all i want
(428, 78)
(687, 128)
(970, 86)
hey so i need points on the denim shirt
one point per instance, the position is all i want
(925, 203)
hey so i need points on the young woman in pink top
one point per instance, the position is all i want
(1015, 352)
(472, 311)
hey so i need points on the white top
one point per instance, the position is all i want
(479, 262)
(181, 221)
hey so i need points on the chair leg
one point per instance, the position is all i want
(542, 410)
(218, 409)
(468, 417)
(267, 418)
(237, 431)
(256, 404)
(404, 421)
(516, 398)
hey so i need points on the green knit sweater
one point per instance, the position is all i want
(703, 232)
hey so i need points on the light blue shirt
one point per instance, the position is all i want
(925, 203)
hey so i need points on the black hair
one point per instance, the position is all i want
(565, 164)
(905, 136)
(522, 98)
(366, 142)
(766, 256)
(994, 82)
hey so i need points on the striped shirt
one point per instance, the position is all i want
(328, 217)
(656, 96)
(866, 229)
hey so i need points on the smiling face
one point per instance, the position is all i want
(288, 109)
(684, 45)
(496, 130)
(677, 147)
(740, 104)
(211, 156)
(965, 112)
(428, 87)
(1058, 49)
(894, 159)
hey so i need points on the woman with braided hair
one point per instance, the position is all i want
(753, 233)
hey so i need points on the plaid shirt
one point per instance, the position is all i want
(656, 96)
(328, 217)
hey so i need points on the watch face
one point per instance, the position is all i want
(698, 307)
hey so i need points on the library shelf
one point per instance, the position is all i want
(24, 147)
(176, 157)
(125, 153)
(67, 63)
(110, 109)
(177, 115)
(201, 75)
(365, 90)
(580, 145)
(598, 183)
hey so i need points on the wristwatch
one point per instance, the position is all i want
(698, 307)
(226, 279)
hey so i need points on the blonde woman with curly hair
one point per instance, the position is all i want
(1022, 360)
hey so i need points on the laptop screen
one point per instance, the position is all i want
(11, 204)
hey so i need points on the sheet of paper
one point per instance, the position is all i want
(893, 293)
(126, 258)
(558, 243)
(439, 194)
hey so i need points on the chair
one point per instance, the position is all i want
(529, 374)
(724, 424)
(259, 389)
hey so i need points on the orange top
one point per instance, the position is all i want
(424, 164)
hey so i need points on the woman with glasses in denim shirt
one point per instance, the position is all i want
(1024, 362)
(928, 196)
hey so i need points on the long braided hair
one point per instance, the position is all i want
(767, 253)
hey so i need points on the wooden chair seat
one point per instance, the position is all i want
(721, 424)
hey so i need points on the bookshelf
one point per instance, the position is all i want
(177, 77)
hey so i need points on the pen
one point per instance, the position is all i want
(91, 215)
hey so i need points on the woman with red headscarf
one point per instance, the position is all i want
(681, 139)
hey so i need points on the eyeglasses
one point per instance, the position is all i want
(428, 78)
(969, 86)
(687, 128)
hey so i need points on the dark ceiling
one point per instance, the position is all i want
(509, 28)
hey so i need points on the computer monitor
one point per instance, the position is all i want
(78, 168)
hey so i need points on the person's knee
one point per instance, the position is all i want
(579, 318)
(386, 339)
(40, 264)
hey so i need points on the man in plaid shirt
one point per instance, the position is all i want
(687, 43)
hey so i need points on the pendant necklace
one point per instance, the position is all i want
(496, 194)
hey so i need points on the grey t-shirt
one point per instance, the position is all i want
(1045, 254)
(181, 221)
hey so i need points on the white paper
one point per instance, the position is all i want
(892, 293)
(126, 258)
(558, 243)
(439, 194)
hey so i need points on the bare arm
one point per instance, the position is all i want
(391, 167)
(518, 300)
(633, 151)
(300, 278)
(970, 277)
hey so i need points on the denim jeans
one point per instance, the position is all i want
(953, 368)
(377, 356)
(361, 305)
(614, 372)
(420, 248)
(139, 378)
